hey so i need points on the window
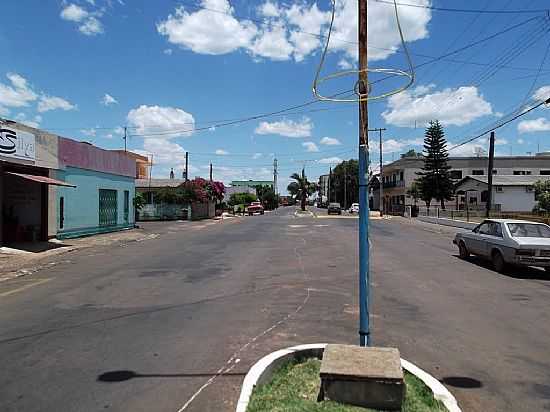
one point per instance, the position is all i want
(478, 172)
(456, 174)
(401, 176)
(528, 189)
(499, 189)
(544, 172)
(473, 200)
(483, 229)
(522, 172)
(491, 229)
(61, 212)
(495, 171)
(529, 230)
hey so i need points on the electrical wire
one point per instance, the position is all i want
(396, 72)
(501, 124)
(456, 10)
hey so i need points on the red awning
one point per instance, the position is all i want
(41, 179)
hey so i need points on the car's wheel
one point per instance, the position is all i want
(498, 261)
(463, 251)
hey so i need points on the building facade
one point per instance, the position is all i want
(251, 184)
(51, 186)
(398, 176)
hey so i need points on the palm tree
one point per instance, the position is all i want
(301, 188)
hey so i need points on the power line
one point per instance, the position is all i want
(458, 10)
(501, 124)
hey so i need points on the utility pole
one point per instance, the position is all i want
(345, 186)
(275, 173)
(329, 183)
(186, 172)
(364, 327)
(210, 171)
(125, 130)
(378, 129)
(490, 174)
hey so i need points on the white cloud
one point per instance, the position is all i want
(472, 149)
(310, 147)
(381, 26)
(330, 141)
(272, 43)
(537, 125)
(288, 128)
(47, 103)
(542, 93)
(19, 94)
(344, 64)
(165, 152)
(521, 141)
(256, 155)
(91, 27)
(73, 12)
(292, 31)
(34, 122)
(227, 174)
(393, 145)
(221, 152)
(269, 9)
(330, 160)
(88, 23)
(168, 52)
(194, 30)
(89, 132)
(500, 142)
(165, 122)
(450, 106)
(108, 100)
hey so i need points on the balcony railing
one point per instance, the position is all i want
(390, 184)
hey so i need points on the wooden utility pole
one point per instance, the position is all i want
(125, 136)
(210, 171)
(490, 175)
(364, 327)
(345, 186)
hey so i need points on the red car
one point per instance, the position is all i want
(255, 207)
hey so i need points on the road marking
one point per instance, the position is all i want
(22, 288)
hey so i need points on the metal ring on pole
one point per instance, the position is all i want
(366, 96)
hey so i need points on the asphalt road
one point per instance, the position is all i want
(172, 323)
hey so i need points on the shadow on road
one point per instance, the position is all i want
(126, 375)
(462, 382)
(527, 273)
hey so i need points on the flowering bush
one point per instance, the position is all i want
(201, 190)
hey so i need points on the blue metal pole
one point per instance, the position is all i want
(364, 326)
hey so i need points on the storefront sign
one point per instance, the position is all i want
(17, 144)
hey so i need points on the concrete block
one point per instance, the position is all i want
(368, 377)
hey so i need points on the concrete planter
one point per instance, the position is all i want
(262, 371)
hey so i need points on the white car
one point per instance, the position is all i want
(507, 242)
(354, 208)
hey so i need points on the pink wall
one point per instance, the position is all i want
(87, 156)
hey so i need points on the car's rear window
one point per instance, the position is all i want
(528, 230)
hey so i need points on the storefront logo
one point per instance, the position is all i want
(17, 144)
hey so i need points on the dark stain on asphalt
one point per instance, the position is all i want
(462, 382)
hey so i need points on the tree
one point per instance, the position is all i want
(266, 195)
(241, 198)
(409, 153)
(542, 194)
(301, 188)
(435, 179)
(345, 173)
(414, 192)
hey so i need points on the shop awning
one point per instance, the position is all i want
(41, 179)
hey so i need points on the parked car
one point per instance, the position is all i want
(334, 208)
(507, 242)
(255, 207)
(354, 208)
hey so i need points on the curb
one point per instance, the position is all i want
(262, 371)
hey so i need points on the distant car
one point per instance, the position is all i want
(255, 207)
(354, 208)
(507, 242)
(334, 208)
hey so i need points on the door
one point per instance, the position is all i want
(108, 208)
(475, 241)
(126, 206)
(492, 237)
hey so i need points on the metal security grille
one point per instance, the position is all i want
(108, 210)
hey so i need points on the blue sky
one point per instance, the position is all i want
(85, 69)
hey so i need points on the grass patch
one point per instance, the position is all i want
(295, 386)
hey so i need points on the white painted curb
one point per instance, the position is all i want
(261, 371)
